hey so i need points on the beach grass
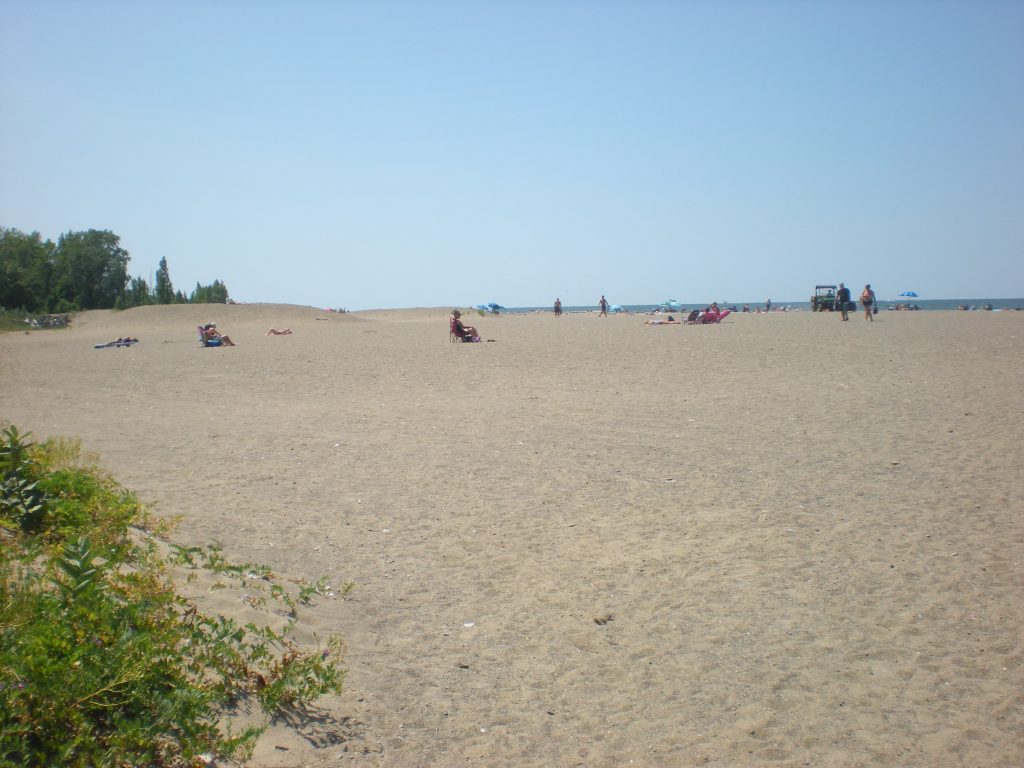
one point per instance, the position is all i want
(102, 662)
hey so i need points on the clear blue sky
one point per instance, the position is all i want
(383, 154)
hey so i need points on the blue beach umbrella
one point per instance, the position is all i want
(909, 294)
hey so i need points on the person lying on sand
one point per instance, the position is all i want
(670, 321)
(279, 332)
(127, 341)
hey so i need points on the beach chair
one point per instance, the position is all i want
(712, 316)
(453, 335)
(205, 342)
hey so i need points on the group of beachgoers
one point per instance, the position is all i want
(712, 313)
(208, 335)
(211, 337)
(602, 307)
(843, 303)
(708, 316)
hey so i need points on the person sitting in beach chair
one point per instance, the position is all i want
(713, 314)
(459, 332)
(209, 336)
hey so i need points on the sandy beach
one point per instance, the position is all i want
(783, 540)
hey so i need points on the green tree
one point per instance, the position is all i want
(163, 290)
(26, 270)
(219, 292)
(210, 294)
(92, 270)
(137, 293)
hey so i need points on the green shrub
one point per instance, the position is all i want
(54, 491)
(80, 500)
(22, 502)
(102, 663)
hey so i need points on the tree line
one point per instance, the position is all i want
(83, 270)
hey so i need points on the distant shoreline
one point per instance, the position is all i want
(792, 306)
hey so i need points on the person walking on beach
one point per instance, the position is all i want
(867, 298)
(843, 300)
(603, 304)
(558, 307)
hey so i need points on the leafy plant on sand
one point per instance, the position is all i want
(102, 663)
(212, 558)
(21, 499)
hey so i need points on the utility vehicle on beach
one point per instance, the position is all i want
(824, 298)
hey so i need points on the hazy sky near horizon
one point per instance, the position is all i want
(387, 154)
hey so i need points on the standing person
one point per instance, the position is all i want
(603, 304)
(558, 307)
(843, 300)
(867, 298)
(768, 306)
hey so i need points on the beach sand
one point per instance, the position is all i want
(783, 540)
